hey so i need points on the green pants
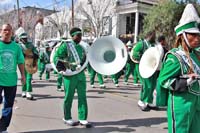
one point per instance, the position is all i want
(183, 113)
(59, 81)
(129, 71)
(116, 77)
(41, 71)
(136, 73)
(148, 86)
(70, 86)
(92, 74)
(27, 86)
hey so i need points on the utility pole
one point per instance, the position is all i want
(72, 13)
(18, 18)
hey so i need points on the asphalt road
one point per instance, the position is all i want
(111, 110)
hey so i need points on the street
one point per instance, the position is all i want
(110, 110)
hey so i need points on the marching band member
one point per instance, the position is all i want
(11, 57)
(92, 73)
(183, 104)
(74, 82)
(130, 65)
(148, 84)
(27, 46)
(44, 59)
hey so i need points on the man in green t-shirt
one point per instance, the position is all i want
(73, 53)
(10, 57)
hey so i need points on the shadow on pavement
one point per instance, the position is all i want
(111, 126)
(134, 122)
(89, 130)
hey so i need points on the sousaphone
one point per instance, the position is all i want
(67, 69)
(107, 55)
(151, 61)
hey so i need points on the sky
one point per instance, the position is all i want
(38, 3)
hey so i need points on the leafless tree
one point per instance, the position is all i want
(98, 14)
(58, 22)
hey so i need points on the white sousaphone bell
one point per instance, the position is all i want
(69, 72)
(107, 56)
(151, 61)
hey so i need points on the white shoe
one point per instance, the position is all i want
(136, 84)
(71, 122)
(116, 85)
(23, 94)
(85, 123)
(29, 96)
(126, 83)
(102, 86)
(92, 86)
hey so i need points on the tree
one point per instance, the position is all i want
(97, 13)
(58, 21)
(163, 18)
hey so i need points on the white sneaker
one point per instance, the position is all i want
(85, 123)
(136, 84)
(92, 86)
(102, 86)
(71, 122)
(29, 96)
(23, 94)
(126, 83)
(116, 85)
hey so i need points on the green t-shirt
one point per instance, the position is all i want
(10, 56)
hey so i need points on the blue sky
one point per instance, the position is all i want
(38, 3)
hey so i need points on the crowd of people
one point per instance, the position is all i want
(176, 82)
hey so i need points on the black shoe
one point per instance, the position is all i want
(153, 107)
(30, 98)
(60, 89)
(86, 125)
(144, 108)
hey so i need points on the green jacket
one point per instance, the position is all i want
(173, 67)
(63, 53)
(139, 49)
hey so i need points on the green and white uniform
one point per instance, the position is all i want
(148, 84)
(92, 74)
(44, 59)
(71, 83)
(183, 101)
(28, 86)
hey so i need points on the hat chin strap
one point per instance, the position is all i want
(186, 40)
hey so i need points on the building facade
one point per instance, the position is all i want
(129, 16)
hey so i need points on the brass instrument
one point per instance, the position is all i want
(30, 62)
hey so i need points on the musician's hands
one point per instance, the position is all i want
(192, 78)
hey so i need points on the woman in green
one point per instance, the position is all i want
(183, 104)
(73, 52)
